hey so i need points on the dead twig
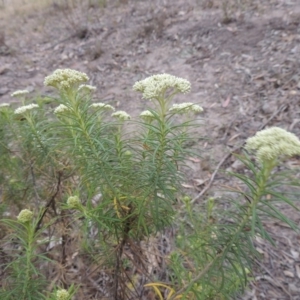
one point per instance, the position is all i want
(60, 42)
(271, 279)
(212, 177)
(199, 276)
(280, 109)
(51, 202)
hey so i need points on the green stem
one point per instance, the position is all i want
(263, 177)
(35, 132)
(91, 144)
(219, 256)
(29, 254)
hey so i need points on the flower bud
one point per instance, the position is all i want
(62, 295)
(25, 216)
(73, 202)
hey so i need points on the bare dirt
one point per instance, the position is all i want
(245, 73)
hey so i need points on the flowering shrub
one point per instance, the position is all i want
(118, 198)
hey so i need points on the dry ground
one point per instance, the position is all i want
(244, 69)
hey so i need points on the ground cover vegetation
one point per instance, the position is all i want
(84, 184)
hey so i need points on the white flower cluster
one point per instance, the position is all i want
(64, 79)
(4, 105)
(184, 108)
(272, 143)
(25, 216)
(62, 295)
(22, 109)
(147, 115)
(102, 106)
(87, 88)
(60, 109)
(19, 93)
(155, 86)
(121, 115)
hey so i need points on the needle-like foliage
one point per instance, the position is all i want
(95, 196)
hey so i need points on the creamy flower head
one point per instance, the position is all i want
(147, 115)
(62, 295)
(87, 88)
(19, 93)
(25, 216)
(73, 202)
(121, 115)
(60, 109)
(4, 105)
(64, 79)
(155, 86)
(22, 109)
(102, 106)
(273, 143)
(184, 108)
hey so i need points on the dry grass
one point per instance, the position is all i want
(232, 9)
(16, 8)
(13, 8)
(75, 14)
